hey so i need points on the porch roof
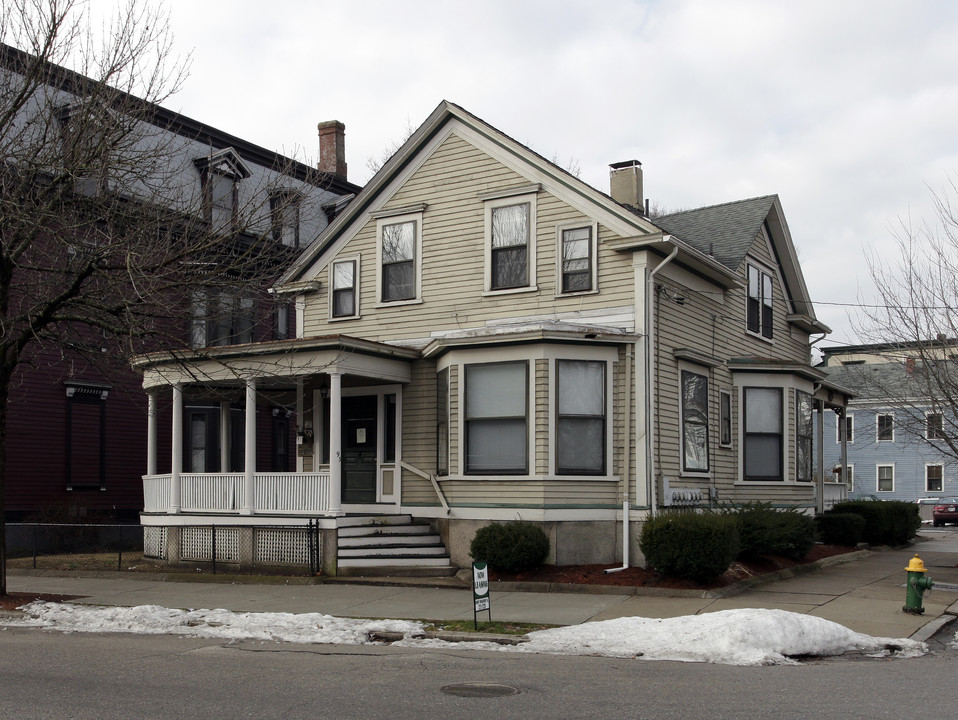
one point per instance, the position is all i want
(278, 361)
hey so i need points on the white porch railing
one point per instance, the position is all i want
(286, 493)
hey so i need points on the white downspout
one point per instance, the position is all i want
(650, 414)
(650, 375)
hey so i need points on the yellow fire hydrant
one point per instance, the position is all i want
(915, 586)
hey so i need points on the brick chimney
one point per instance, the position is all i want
(332, 148)
(625, 180)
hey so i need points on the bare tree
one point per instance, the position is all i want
(103, 242)
(913, 327)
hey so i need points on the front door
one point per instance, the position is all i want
(359, 448)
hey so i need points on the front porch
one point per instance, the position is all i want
(329, 410)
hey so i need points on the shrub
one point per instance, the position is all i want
(510, 547)
(694, 546)
(840, 528)
(764, 530)
(887, 522)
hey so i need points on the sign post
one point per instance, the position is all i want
(480, 592)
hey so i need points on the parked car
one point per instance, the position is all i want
(946, 511)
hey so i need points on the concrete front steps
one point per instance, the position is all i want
(390, 545)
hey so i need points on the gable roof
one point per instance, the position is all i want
(725, 231)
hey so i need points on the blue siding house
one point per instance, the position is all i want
(894, 428)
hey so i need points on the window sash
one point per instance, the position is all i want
(849, 428)
(886, 478)
(886, 428)
(803, 437)
(510, 246)
(496, 418)
(935, 426)
(695, 422)
(344, 288)
(763, 451)
(398, 261)
(725, 419)
(759, 306)
(580, 417)
(934, 478)
(577, 260)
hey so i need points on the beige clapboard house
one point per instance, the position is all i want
(480, 336)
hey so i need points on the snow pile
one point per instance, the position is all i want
(732, 637)
(220, 624)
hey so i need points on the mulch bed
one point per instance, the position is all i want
(640, 577)
(11, 601)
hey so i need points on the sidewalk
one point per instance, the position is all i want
(865, 595)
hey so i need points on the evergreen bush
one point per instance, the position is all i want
(510, 547)
(890, 522)
(694, 546)
(764, 530)
(840, 528)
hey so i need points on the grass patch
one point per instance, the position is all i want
(493, 627)
(77, 561)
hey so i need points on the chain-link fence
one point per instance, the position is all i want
(211, 548)
(72, 545)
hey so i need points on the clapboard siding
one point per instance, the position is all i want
(453, 257)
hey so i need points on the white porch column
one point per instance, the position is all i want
(250, 460)
(176, 461)
(335, 443)
(299, 427)
(225, 436)
(820, 459)
(151, 434)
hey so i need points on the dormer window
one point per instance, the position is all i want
(220, 175)
(284, 209)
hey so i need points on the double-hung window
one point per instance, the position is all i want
(399, 254)
(934, 477)
(496, 418)
(803, 437)
(510, 239)
(580, 418)
(886, 427)
(284, 211)
(759, 302)
(725, 419)
(695, 422)
(398, 265)
(886, 478)
(510, 246)
(849, 428)
(221, 318)
(577, 259)
(442, 422)
(763, 435)
(934, 426)
(343, 296)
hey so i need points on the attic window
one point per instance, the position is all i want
(220, 174)
(759, 302)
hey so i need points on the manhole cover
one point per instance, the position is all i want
(478, 689)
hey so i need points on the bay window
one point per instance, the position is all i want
(763, 438)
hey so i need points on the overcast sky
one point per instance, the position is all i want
(847, 110)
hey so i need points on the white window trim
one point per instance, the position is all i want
(851, 485)
(490, 204)
(935, 464)
(332, 268)
(381, 222)
(593, 250)
(763, 270)
(838, 428)
(878, 479)
(530, 420)
(878, 426)
(731, 422)
(701, 372)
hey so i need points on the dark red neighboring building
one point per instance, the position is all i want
(77, 429)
